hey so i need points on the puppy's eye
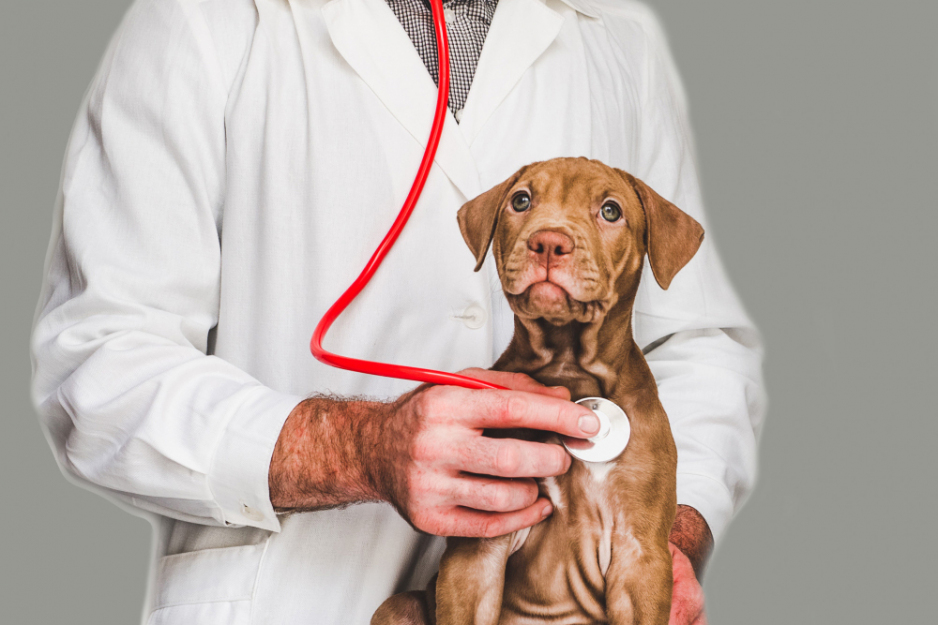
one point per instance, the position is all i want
(610, 211)
(521, 202)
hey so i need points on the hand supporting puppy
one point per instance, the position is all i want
(425, 454)
(690, 544)
(687, 598)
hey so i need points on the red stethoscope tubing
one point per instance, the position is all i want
(381, 368)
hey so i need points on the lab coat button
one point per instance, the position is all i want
(251, 513)
(449, 15)
(474, 317)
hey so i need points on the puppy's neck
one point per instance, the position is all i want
(599, 358)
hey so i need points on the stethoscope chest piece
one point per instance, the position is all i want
(609, 443)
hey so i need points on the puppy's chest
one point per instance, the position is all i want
(559, 567)
(568, 372)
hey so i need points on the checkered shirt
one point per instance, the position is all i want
(468, 22)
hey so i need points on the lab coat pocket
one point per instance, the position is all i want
(208, 587)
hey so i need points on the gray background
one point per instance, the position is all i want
(818, 144)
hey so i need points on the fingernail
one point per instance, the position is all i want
(546, 511)
(589, 424)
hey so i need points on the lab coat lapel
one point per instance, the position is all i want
(521, 31)
(370, 38)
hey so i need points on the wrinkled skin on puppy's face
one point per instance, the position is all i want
(569, 236)
(568, 241)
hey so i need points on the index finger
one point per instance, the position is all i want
(516, 381)
(488, 409)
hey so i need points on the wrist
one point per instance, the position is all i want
(691, 534)
(383, 443)
(321, 456)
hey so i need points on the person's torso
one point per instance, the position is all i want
(328, 112)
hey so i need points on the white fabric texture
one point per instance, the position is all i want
(233, 166)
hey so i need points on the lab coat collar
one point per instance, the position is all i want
(370, 38)
(520, 32)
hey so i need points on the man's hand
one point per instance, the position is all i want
(691, 543)
(687, 597)
(426, 454)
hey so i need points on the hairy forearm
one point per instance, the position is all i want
(322, 458)
(691, 534)
(424, 452)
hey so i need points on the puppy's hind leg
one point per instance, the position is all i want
(406, 608)
(472, 580)
(638, 584)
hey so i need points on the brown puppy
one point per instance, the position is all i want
(569, 237)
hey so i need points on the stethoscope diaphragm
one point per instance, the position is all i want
(614, 431)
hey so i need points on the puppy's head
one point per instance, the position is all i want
(569, 236)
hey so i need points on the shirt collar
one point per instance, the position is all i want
(427, 2)
(581, 6)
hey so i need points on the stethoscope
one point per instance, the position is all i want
(614, 430)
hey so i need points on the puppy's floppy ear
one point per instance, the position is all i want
(478, 217)
(672, 237)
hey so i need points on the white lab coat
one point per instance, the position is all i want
(233, 166)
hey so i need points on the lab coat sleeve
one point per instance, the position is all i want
(131, 402)
(704, 351)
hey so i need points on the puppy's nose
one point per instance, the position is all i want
(548, 246)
